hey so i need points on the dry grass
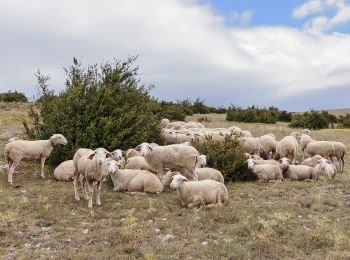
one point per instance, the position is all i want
(40, 219)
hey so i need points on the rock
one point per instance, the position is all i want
(300, 216)
(167, 237)
(27, 245)
(204, 243)
(157, 231)
(122, 220)
(85, 231)
(150, 221)
(45, 229)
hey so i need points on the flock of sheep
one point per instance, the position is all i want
(177, 164)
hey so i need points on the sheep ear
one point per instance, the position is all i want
(109, 155)
(138, 148)
(91, 156)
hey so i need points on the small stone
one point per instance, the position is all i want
(164, 219)
(68, 240)
(300, 216)
(204, 243)
(27, 245)
(23, 191)
(167, 237)
(150, 221)
(85, 231)
(157, 230)
(38, 245)
(122, 220)
(45, 229)
(73, 213)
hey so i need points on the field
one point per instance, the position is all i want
(40, 219)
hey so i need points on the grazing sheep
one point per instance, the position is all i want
(287, 147)
(252, 146)
(324, 148)
(132, 153)
(133, 181)
(324, 168)
(254, 156)
(312, 162)
(296, 172)
(22, 150)
(94, 168)
(265, 172)
(197, 193)
(137, 163)
(178, 157)
(340, 151)
(304, 141)
(268, 142)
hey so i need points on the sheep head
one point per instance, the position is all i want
(177, 181)
(144, 148)
(118, 154)
(202, 160)
(251, 163)
(285, 162)
(58, 139)
(323, 162)
(100, 154)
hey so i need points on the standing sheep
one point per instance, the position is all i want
(133, 181)
(197, 193)
(324, 148)
(132, 153)
(340, 151)
(268, 142)
(252, 146)
(22, 150)
(287, 147)
(178, 157)
(304, 141)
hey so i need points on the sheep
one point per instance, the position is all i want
(65, 171)
(268, 142)
(287, 147)
(94, 168)
(19, 150)
(246, 133)
(324, 148)
(131, 153)
(273, 162)
(304, 141)
(340, 151)
(306, 132)
(197, 193)
(137, 163)
(235, 130)
(168, 136)
(118, 156)
(202, 161)
(175, 157)
(324, 168)
(184, 137)
(134, 181)
(296, 135)
(312, 162)
(252, 146)
(296, 172)
(265, 172)
(164, 122)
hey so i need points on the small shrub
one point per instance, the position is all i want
(313, 120)
(226, 157)
(13, 97)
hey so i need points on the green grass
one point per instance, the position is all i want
(304, 220)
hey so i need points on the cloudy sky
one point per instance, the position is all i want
(292, 54)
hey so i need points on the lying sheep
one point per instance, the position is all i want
(39, 150)
(324, 148)
(202, 161)
(312, 162)
(177, 157)
(296, 172)
(94, 168)
(137, 163)
(65, 171)
(340, 151)
(118, 156)
(265, 172)
(132, 153)
(268, 142)
(164, 122)
(324, 168)
(197, 193)
(184, 137)
(133, 181)
(287, 147)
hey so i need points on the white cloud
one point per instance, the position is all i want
(310, 7)
(241, 19)
(184, 48)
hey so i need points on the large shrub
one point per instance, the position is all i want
(13, 97)
(254, 115)
(227, 157)
(101, 106)
(313, 120)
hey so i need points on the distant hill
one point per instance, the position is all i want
(339, 112)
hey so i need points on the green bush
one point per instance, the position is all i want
(227, 157)
(313, 120)
(253, 114)
(101, 106)
(13, 97)
(345, 120)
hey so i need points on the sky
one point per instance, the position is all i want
(290, 54)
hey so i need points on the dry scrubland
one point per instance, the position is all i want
(40, 218)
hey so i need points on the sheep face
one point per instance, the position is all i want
(100, 154)
(202, 160)
(251, 163)
(144, 148)
(177, 181)
(118, 154)
(58, 139)
(112, 167)
(323, 163)
(285, 162)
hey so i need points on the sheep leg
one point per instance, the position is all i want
(197, 201)
(98, 189)
(10, 171)
(75, 182)
(91, 193)
(42, 163)
(84, 188)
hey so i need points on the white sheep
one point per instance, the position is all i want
(340, 151)
(287, 147)
(94, 168)
(304, 140)
(246, 133)
(268, 142)
(296, 135)
(235, 130)
(39, 150)
(118, 156)
(306, 132)
(296, 172)
(65, 171)
(184, 137)
(137, 163)
(132, 153)
(197, 193)
(252, 146)
(324, 168)
(178, 157)
(312, 162)
(164, 122)
(134, 181)
(168, 136)
(265, 172)
(324, 148)
(202, 161)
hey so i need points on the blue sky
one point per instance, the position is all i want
(290, 54)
